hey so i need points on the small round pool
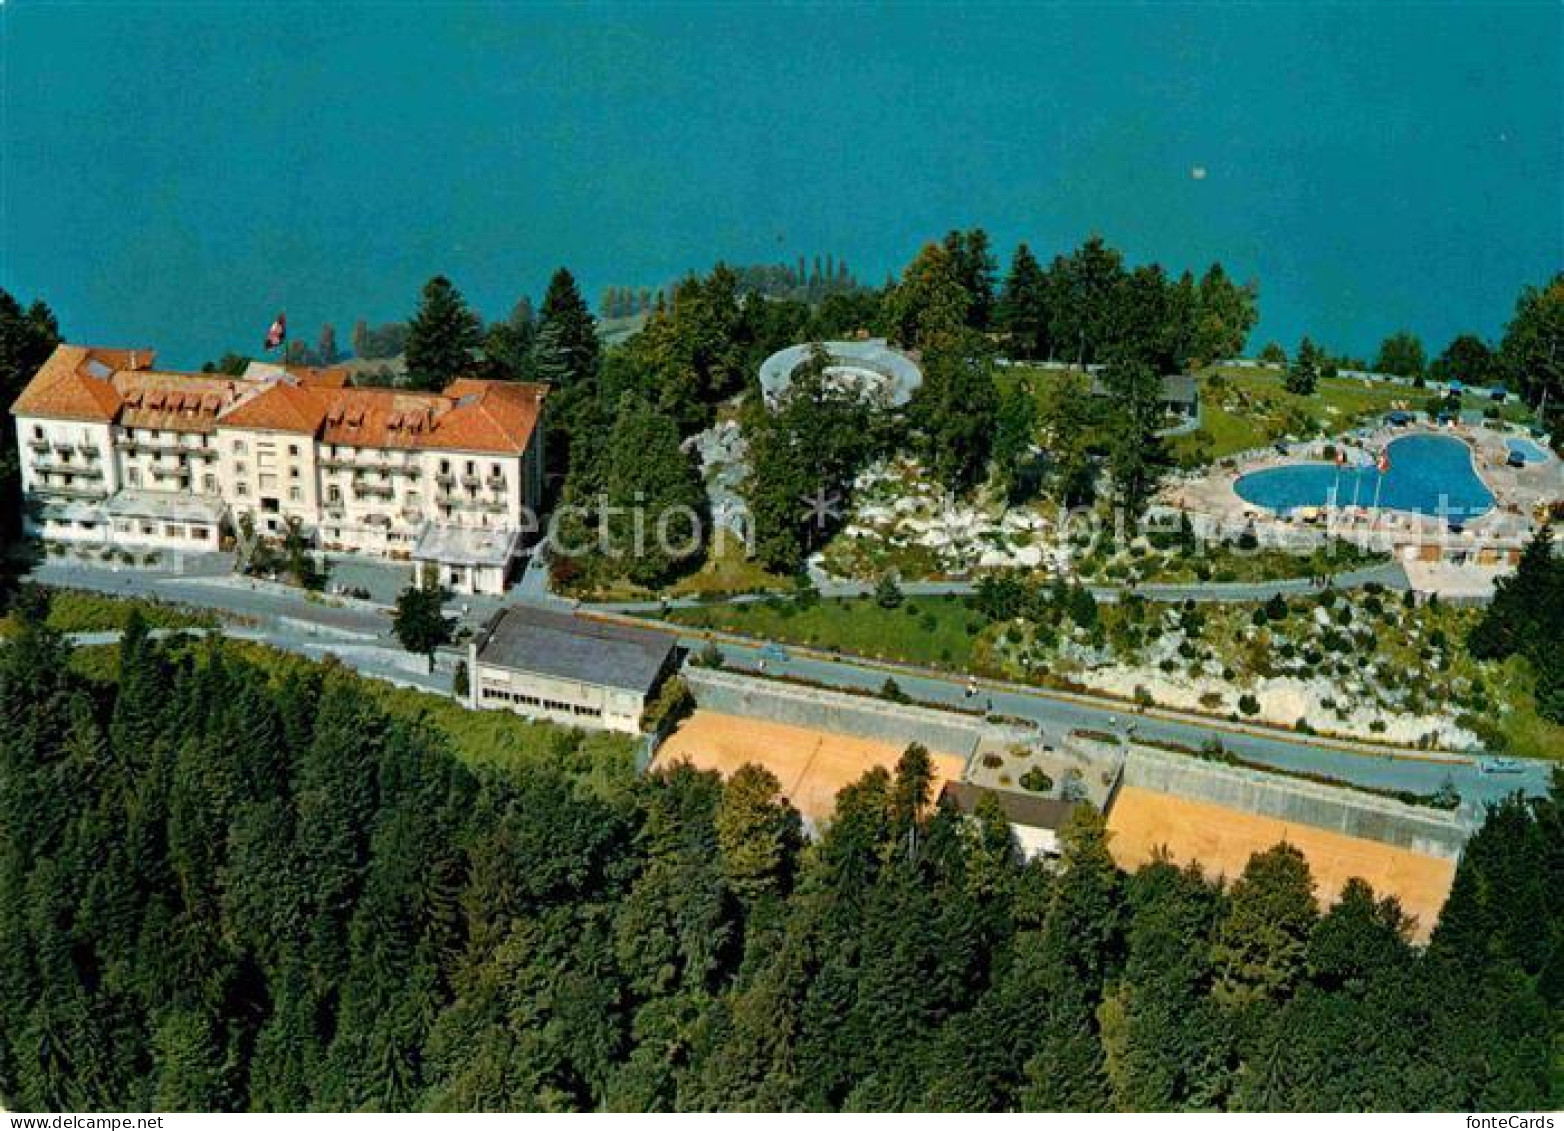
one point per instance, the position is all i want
(1528, 451)
(1430, 475)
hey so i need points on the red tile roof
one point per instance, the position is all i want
(82, 383)
(176, 402)
(279, 407)
(75, 383)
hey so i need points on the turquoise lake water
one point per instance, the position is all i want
(175, 174)
(1430, 475)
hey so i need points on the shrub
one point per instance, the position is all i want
(1036, 780)
(887, 594)
(1248, 704)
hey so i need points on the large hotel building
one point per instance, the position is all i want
(117, 453)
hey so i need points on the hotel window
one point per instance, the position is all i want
(209, 484)
(242, 489)
(133, 476)
(295, 494)
(238, 447)
(293, 449)
(333, 494)
(37, 432)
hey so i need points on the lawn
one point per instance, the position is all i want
(1243, 409)
(936, 631)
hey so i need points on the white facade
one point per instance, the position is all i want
(565, 668)
(569, 702)
(89, 483)
(174, 461)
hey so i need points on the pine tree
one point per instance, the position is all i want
(1303, 374)
(1023, 311)
(442, 336)
(566, 352)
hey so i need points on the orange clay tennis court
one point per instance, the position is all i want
(812, 765)
(1223, 839)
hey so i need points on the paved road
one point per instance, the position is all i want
(1389, 574)
(1057, 713)
(360, 634)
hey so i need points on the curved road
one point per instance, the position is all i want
(359, 633)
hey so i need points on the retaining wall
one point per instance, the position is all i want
(941, 731)
(1431, 832)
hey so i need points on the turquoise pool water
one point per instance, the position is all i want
(1527, 450)
(1430, 475)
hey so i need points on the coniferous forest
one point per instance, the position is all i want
(225, 887)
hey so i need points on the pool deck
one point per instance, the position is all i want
(1215, 507)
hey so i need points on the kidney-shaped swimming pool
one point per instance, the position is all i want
(1430, 475)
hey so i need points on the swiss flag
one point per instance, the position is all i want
(278, 332)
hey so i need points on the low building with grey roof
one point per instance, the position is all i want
(566, 668)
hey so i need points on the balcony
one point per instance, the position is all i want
(495, 482)
(170, 444)
(374, 490)
(60, 467)
(71, 491)
(39, 443)
(473, 481)
(445, 479)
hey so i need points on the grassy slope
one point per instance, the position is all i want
(1252, 408)
(922, 630)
